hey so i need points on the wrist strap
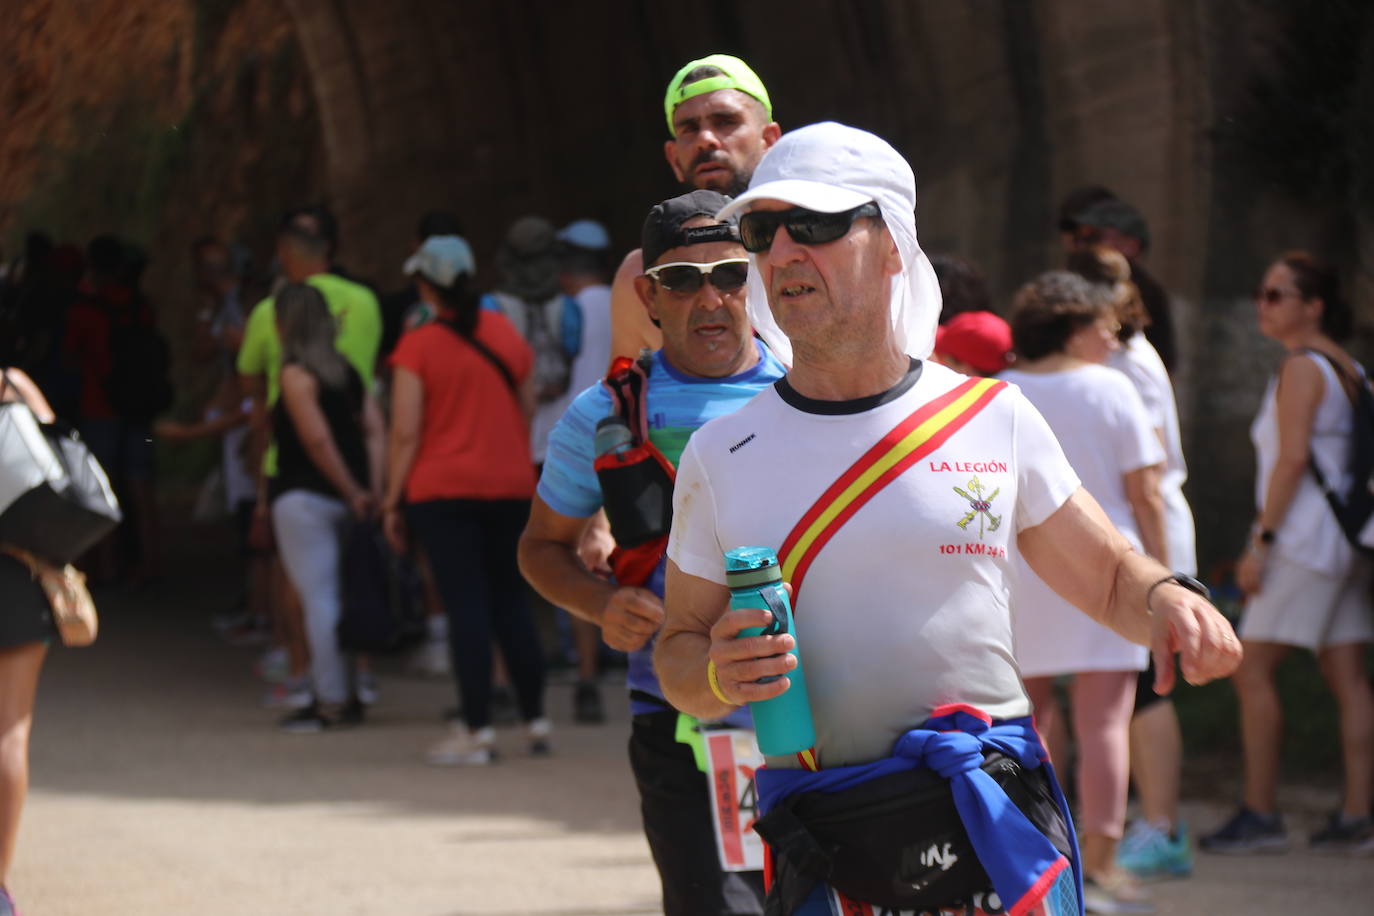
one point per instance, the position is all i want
(714, 681)
(1182, 581)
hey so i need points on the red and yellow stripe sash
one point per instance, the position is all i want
(925, 430)
(921, 433)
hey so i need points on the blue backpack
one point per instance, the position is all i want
(569, 325)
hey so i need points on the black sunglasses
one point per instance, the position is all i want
(806, 227)
(726, 275)
(1271, 296)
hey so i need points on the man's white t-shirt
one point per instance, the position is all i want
(904, 610)
(1101, 423)
(1139, 361)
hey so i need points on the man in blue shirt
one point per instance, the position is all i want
(710, 365)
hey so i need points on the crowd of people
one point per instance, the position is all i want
(998, 528)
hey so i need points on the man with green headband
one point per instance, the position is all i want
(720, 121)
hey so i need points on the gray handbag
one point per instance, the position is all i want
(55, 500)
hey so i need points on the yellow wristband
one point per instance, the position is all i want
(714, 681)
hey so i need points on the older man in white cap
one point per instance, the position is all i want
(897, 494)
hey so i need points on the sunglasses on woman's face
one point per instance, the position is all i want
(806, 227)
(726, 275)
(1271, 296)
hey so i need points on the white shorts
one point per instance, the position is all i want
(1298, 606)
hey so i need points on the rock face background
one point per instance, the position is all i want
(166, 119)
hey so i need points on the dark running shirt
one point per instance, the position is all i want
(342, 408)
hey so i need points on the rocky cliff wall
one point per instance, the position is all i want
(165, 119)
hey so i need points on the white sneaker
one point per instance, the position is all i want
(538, 732)
(430, 658)
(463, 748)
(367, 690)
(292, 693)
(1115, 894)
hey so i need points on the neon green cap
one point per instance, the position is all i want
(735, 74)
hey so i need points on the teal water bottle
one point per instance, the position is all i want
(783, 724)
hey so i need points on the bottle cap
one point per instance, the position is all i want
(751, 566)
(612, 433)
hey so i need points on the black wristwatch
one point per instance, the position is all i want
(1178, 578)
(1266, 536)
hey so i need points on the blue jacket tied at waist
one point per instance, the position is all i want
(1022, 863)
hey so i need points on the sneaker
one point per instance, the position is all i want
(1345, 835)
(503, 710)
(1115, 894)
(1149, 852)
(587, 704)
(1248, 832)
(539, 731)
(463, 748)
(431, 658)
(316, 718)
(273, 666)
(293, 693)
(368, 691)
(252, 631)
(229, 620)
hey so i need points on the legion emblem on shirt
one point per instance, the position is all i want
(979, 507)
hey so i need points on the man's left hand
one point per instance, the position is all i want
(1183, 621)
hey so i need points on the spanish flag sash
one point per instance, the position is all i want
(925, 430)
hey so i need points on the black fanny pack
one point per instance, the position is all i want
(896, 841)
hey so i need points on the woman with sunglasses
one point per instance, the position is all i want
(1304, 584)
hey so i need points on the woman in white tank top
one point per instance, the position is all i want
(1304, 584)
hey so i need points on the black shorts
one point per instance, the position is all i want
(675, 807)
(1145, 695)
(25, 616)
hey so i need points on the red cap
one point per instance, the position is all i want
(980, 339)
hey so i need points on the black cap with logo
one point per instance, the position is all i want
(663, 226)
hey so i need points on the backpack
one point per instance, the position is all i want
(383, 600)
(552, 381)
(1354, 509)
(637, 480)
(139, 386)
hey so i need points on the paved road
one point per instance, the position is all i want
(161, 789)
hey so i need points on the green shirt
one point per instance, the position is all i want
(353, 306)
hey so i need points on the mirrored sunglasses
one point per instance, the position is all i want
(726, 275)
(806, 227)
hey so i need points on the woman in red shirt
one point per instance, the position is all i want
(459, 468)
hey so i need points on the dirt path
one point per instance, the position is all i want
(160, 788)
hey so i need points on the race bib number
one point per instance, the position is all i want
(732, 757)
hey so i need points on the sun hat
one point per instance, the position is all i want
(831, 168)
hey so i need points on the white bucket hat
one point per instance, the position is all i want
(831, 168)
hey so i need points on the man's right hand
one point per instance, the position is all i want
(741, 660)
(630, 618)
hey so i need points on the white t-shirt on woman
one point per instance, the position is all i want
(1105, 432)
(1139, 361)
